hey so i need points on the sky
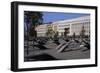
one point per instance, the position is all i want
(56, 16)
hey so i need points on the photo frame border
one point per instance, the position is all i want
(14, 35)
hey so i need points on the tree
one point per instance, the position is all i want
(34, 35)
(56, 35)
(50, 33)
(31, 21)
(35, 19)
(66, 31)
(47, 33)
(74, 35)
(82, 33)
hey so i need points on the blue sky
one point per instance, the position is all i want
(56, 16)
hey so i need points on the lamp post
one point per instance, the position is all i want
(26, 20)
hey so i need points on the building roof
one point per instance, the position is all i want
(73, 20)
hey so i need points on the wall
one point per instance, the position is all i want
(5, 17)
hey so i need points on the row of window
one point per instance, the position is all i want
(64, 25)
